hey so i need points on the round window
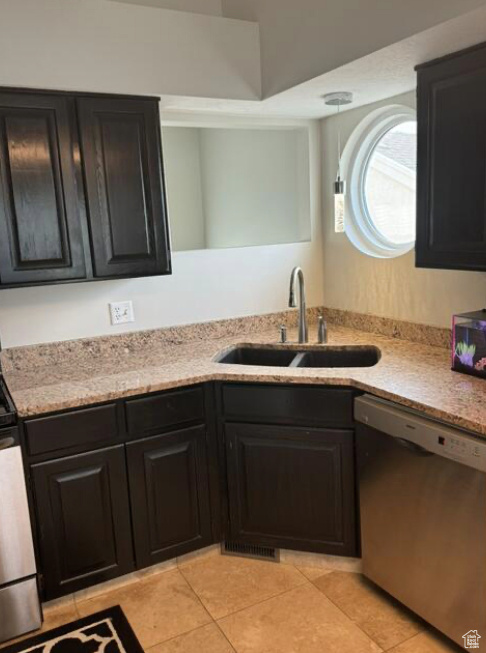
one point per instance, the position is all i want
(380, 163)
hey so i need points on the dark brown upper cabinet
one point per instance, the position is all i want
(121, 148)
(81, 188)
(40, 230)
(451, 164)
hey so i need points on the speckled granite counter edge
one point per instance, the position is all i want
(446, 416)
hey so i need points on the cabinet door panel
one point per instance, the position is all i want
(292, 487)
(451, 167)
(40, 232)
(122, 163)
(170, 495)
(83, 518)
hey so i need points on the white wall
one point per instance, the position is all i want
(387, 287)
(254, 189)
(240, 187)
(113, 47)
(182, 169)
(303, 39)
(205, 285)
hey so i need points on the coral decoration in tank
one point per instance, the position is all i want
(469, 343)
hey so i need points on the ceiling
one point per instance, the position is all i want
(380, 75)
(211, 7)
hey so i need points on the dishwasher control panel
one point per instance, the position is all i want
(421, 432)
(462, 446)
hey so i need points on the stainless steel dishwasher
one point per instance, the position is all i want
(423, 515)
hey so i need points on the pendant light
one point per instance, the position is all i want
(338, 100)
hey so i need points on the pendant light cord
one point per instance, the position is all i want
(339, 141)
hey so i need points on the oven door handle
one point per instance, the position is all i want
(414, 448)
(6, 443)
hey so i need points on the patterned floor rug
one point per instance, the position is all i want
(104, 632)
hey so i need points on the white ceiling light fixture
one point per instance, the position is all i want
(338, 100)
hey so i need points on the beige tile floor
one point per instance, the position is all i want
(219, 604)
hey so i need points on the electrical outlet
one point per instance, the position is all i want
(121, 312)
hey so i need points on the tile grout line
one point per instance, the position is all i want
(352, 620)
(203, 607)
(392, 648)
(196, 595)
(268, 598)
(122, 586)
(297, 569)
(170, 639)
(163, 641)
(225, 636)
(216, 619)
(385, 650)
(139, 576)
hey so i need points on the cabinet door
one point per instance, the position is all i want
(123, 170)
(169, 493)
(83, 520)
(292, 487)
(40, 233)
(451, 165)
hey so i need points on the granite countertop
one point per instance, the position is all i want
(412, 374)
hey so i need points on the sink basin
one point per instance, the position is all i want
(355, 356)
(322, 357)
(257, 356)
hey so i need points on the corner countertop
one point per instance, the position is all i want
(413, 375)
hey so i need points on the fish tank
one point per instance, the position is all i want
(469, 343)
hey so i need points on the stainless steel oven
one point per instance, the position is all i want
(19, 601)
(423, 515)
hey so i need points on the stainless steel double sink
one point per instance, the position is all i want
(323, 356)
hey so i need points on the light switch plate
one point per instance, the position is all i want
(121, 312)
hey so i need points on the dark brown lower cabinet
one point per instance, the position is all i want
(83, 520)
(169, 492)
(143, 500)
(292, 487)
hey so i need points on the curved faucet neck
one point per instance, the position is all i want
(297, 274)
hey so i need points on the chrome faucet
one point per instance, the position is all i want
(297, 273)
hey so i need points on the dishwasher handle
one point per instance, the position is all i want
(413, 447)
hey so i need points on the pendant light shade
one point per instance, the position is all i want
(338, 100)
(339, 198)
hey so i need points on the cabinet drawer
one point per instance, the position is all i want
(169, 409)
(76, 428)
(288, 405)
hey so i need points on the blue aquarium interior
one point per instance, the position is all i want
(469, 343)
